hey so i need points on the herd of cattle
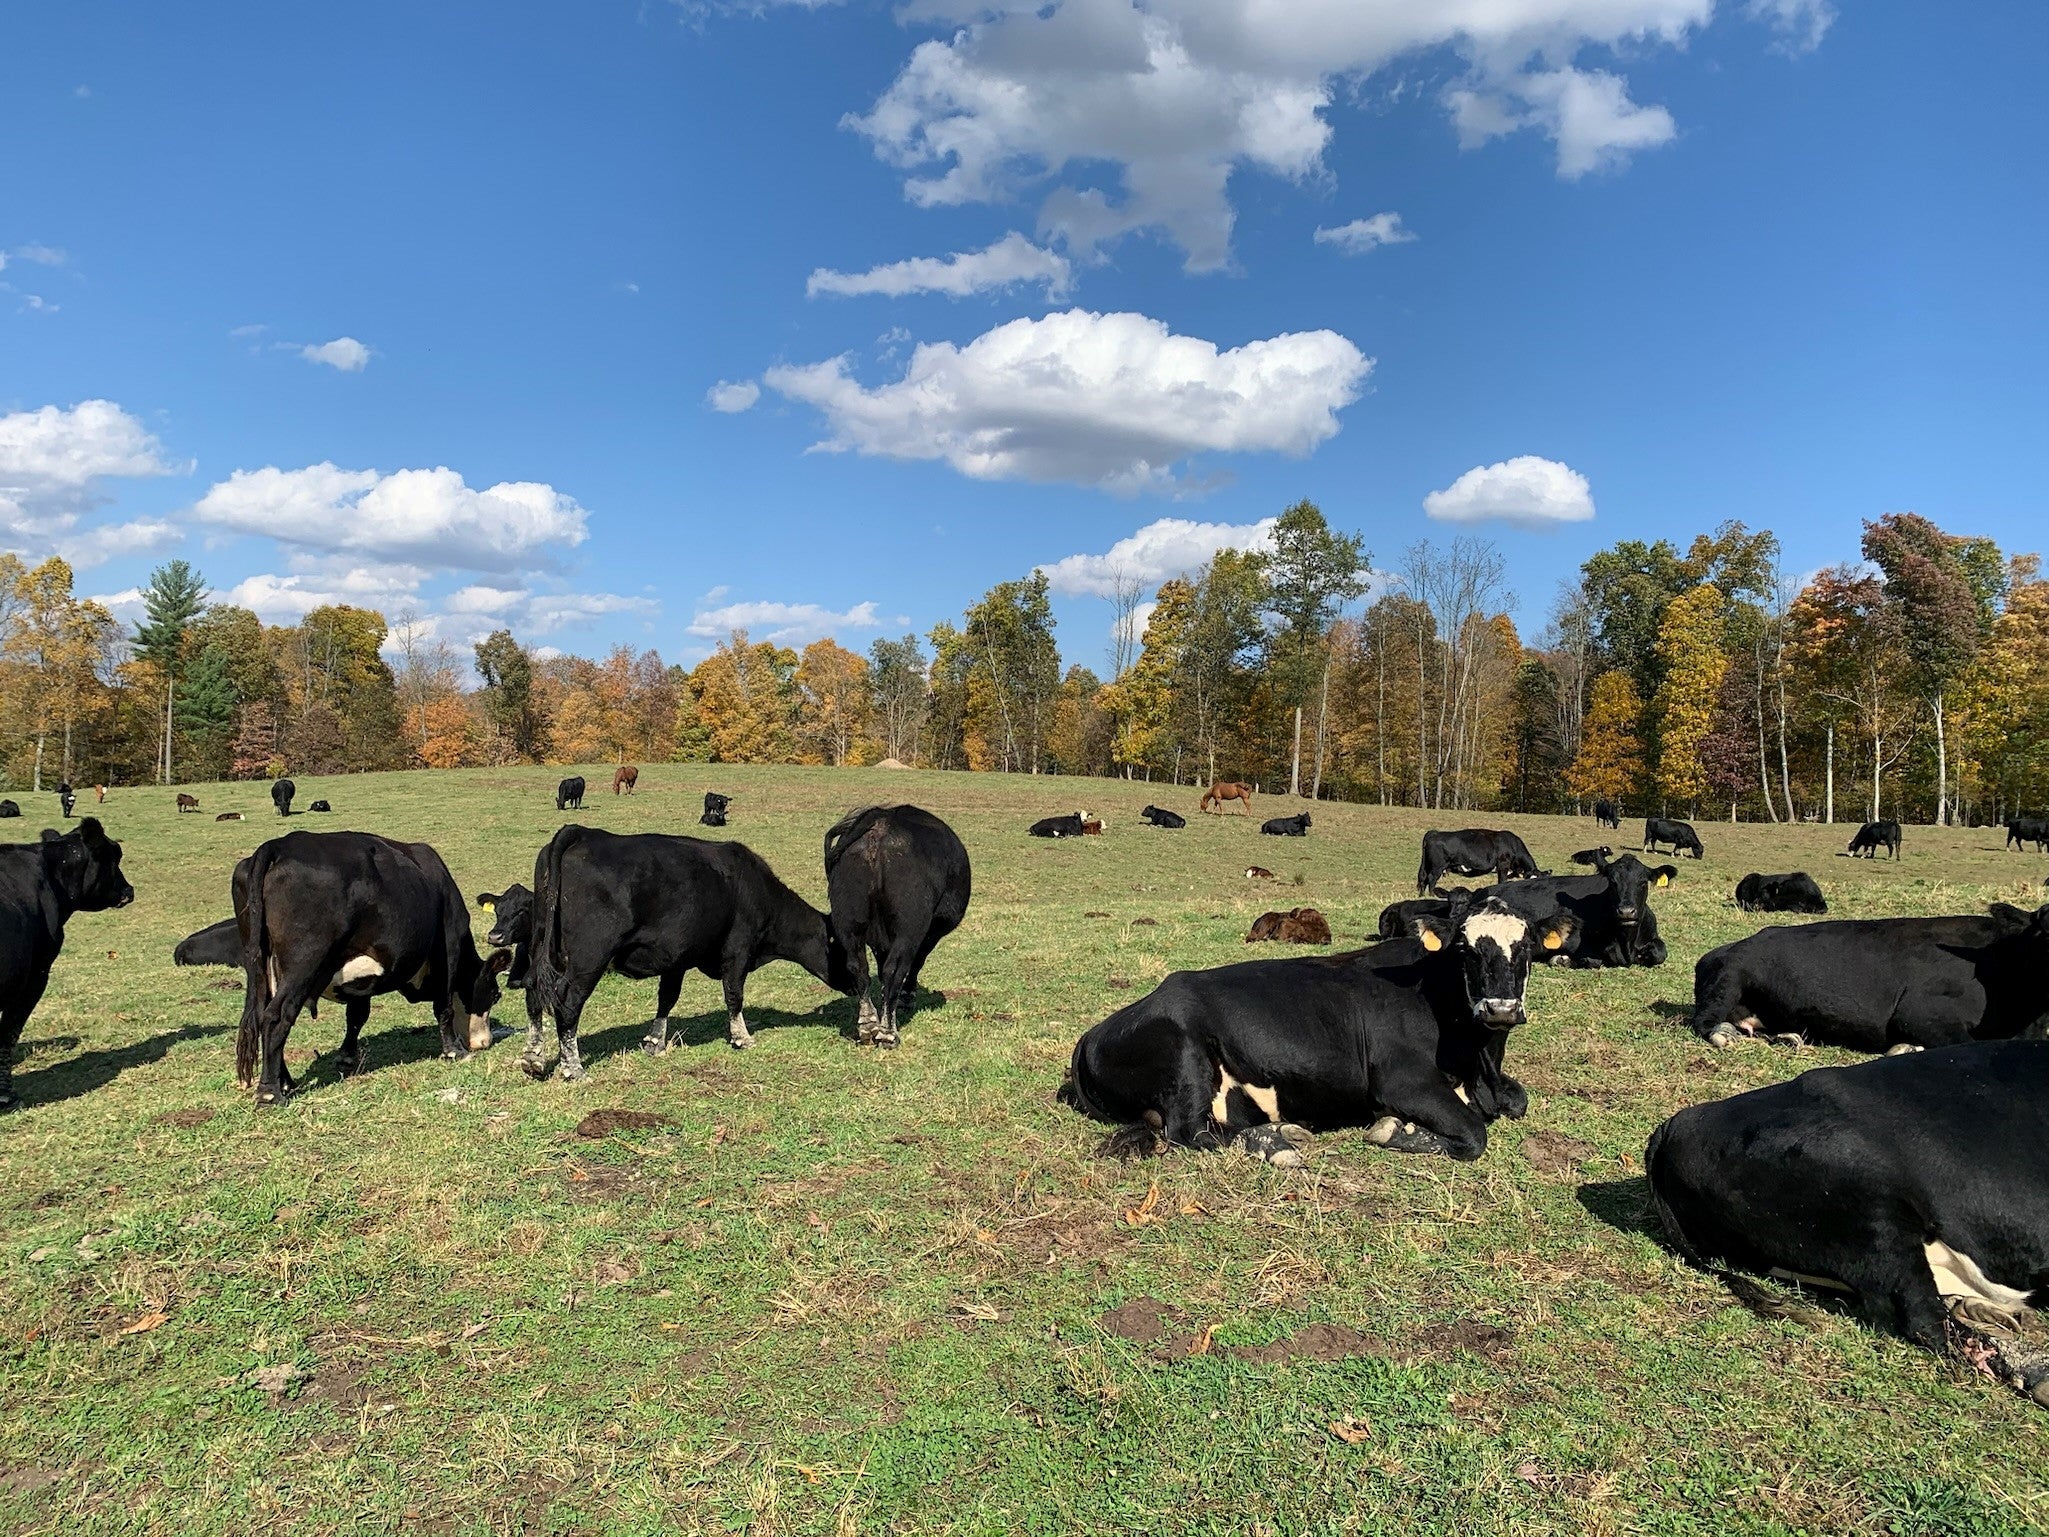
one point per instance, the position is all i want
(1912, 1183)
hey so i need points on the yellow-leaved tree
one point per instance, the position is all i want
(1691, 656)
(1610, 759)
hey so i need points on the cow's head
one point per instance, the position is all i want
(85, 867)
(512, 928)
(1494, 948)
(1633, 881)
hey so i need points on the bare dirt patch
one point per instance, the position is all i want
(599, 1182)
(1490, 1342)
(189, 1117)
(1557, 1156)
(604, 1123)
(1148, 1321)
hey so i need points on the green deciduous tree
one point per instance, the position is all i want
(172, 599)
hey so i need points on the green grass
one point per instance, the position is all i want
(849, 1291)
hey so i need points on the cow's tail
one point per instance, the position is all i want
(1424, 874)
(846, 832)
(256, 978)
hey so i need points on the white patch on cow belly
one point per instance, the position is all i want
(358, 968)
(1268, 1100)
(1958, 1275)
(1504, 929)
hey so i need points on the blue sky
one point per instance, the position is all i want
(428, 306)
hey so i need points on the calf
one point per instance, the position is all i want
(1872, 837)
(1296, 926)
(1608, 814)
(1680, 835)
(99, 795)
(9, 809)
(229, 816)
(1092, 827)
(1879, 984)
(1068, 826)
(218, 944)
(1162, 818)
(713, 801)
(1472, 851)
(569, 794)
(41, 885)
(898, 882)
(658, 905)
(1592, 856)
(627, 778)
(187, 802)
(1258, 873)
(1296, 826)
(347, 916)
(1794, 893)
(1912, 1183)
(321, 806)
(1405, 1038)
(512, 928)
(281, 793)
(2022, 831)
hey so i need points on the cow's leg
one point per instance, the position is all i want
(1718, 1013)
(1428, 1116)
(735, 984)
(13, 1020)
(667, 991)
(853, 942)
(350, 1059)
(280, 1013)
(534, 1061)
(899, 976)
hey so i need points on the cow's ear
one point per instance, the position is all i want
(1557, 931)
(1664, 875)
(1434, 932)
(51, 835)
(487, 902)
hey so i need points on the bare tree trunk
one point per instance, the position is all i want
(1941, 767)
(1295, 763)
(1322, 720)
(1828, 805)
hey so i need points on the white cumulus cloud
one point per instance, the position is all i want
(733, 398)
(54, 462)
(1113, 400)
(1363, 235)
(344, 353)
(1168, 547)
(1011, 260)
(1527, 491)
(784, 624)
(420, 515)
(1587, 113)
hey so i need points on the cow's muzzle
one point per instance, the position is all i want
(1499, 1013)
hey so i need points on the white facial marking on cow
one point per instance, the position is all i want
(1958, 1275)
(1501, 930)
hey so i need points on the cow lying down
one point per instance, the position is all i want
(1912, 1183)
(1405, 1038)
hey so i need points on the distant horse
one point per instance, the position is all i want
(626, 779)
(1226, 790)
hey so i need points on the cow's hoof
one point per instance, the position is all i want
(653, 1047)
(533, 1067)
(1383, 1129)
(1722, 1037)
(888, 1042)
(1270, 1144)
(739, 1042)
(1903, 1049)
(348, 1067)
(1791, 1041)
(455, 1054)
(8, 1102)
(570, 1072)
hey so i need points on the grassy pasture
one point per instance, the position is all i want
(841, 1291)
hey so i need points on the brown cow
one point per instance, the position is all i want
(626, 779)
(1227, 790)
(1297, 926)
(187, 802)
(101, 792)
(1092, 825)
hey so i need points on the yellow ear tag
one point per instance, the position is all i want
(489, 907)
(1553, 940)
(1430, 939)
(1664, 880)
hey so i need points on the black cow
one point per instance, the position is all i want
(569, 794)
(1068, 826)
(321, 806)
(1880, 984)
(1161, 817)
(41, 885)
(713, 801)
(281, 793)
(1296, 826)
(347, 916)
(2022, 831)
(67, 798)
(1680, 835)
(218, 944)
(1397, 917)
(1872, 837)
(512, 928)
(713, 819)
(1794, 893)
(1591, 857)
(659, 905)
(1614, 924)
(1472, 851)
(898, 882)
(1405, 1038)
(1608, 813)
(9, 809)
(1912, 1183)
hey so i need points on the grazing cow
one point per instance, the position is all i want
(1405, 1038)
(1872, 837)
(1608, 813)
(713, 801)
(2022, 831)
(1258, 873)
(626, 778)
(1680, 835)
(1612, 907)
(41, 885)
(898, 882)
(1068, 826)
(659, 905)
(348, 916)
(1794, 893)
(67, 798)
(1911, 1183)
(281, 793)
(187, 802)
(320, 806)
(1472, 851)
(1162, 818)
(9, 809)
(569, 794)
(713, 819)
(1296, 926)
(1296, 826)
(1226, 790)
(1879, 984)
(100, 795)
(512, 928)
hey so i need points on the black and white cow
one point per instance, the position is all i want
(512, 928)
(41, 885)
(321, 806)
(1296, 826)
(348, 916)
(1068, 826)
(1608, 813)
(1161, 817)
(67, 799)
(2022, 831)
(711, 818)
(1680, 835)
(569, 794)
(1872, 837)
(717, 804)
(1472, 851)
(1405, 1038)
(1795, 892)
(281, 793)
(1880, 984)
(659, 905)
(1912, 1183)
(898, 882)
(1614, 924)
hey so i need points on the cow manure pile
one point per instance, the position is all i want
(604, 1123)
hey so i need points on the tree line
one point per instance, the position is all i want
(1912, 682)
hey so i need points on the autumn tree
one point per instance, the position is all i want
(1141, 701)
(1013, 674)
(896, 670)
(747, 700)
(1845, 648)
(1690, 666)
(510, 701)
(1311, 573)
(834, 703)
(1609, 764)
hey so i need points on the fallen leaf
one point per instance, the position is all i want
(289, 1213)
(718, 1135)
(1351, 1431)
(1194, 1209)
(1199, 1346)
(147, 1322)
(577, 1176)
(1530, 1473)
(700, 1205)
(1144, 1213)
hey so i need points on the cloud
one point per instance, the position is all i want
(1010, 261)
(783, 624)
(287, 598)
(41, 255)
(344, 353)
(733, 398)
(423, 515)
(461, 617)
(1114, 400)
(1126, 115)
(1800, 24)
(53, 463)
(1363, 235)
(243, 333)
(1168, 547)
(1526, 491)
(89, 547)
